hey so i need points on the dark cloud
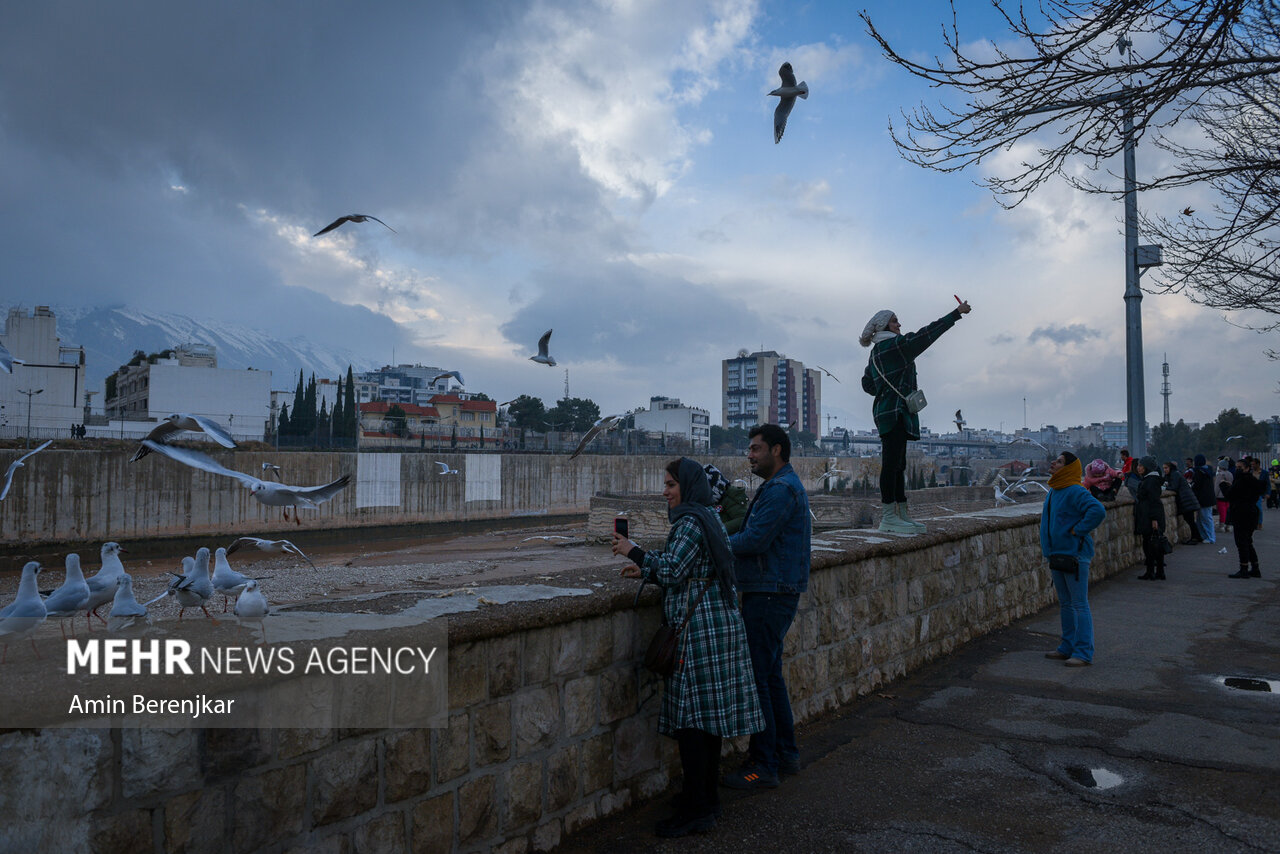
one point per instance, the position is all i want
(1074, 333)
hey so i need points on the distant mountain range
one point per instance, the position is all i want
(110, 335)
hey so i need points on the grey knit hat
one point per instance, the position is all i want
(879, 322)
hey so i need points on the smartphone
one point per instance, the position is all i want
(620, 526)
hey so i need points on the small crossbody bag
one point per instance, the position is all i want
(915, 401)
(663, 655)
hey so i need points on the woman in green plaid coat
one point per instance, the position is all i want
(891, 377)
(712, 693)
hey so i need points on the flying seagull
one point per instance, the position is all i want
(543, 357)
(960, 422)
(787, 92)
(1188, 211)
(180, 421)
(828, 373)
(457, 375)
(265, 492)
(17, 464)
(1228, 439)
(444, 468)
(271, 470)
(1032, 441)
(830, 473)
(272, 546)
(7, 361)
(352, 218)
(603, 425)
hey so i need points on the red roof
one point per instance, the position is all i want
(479, 406)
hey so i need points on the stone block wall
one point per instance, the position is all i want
(552, 723)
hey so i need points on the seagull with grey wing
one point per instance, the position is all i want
(544, 357)
(272, 470)
(127, 614)
(787, 93)
(828, 373)
(269, 546)
(352, 218)
(960, 422)
(445, 469)
(69, 599)
(177, 423)
(603, 425)
(457, 375)
(7, 361)
(25, 614)
(102, 584)
(263, 491)
(17, 464)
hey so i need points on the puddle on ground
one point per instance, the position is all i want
(1250, 683)
(1094, 778)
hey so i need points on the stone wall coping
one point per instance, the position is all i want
(617, 594)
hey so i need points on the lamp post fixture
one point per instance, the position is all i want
(30, 394)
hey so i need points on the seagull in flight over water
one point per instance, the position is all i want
(787, 93)
(603, 425)
(177, 423)
(17, 464)
(352, 218)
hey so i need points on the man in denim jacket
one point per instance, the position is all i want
(771, 557)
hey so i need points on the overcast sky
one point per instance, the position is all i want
(605, 168)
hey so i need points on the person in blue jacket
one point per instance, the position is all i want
(771, 563)
(1069, 516)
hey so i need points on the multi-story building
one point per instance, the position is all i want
(766, 387)
(188, 379)
(669, 415)
(415, 384)
(48, 390)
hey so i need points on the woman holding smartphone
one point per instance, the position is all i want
(711, 695)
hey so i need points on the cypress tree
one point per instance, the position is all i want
(349, 409)
(297, 423)
(282, 427)
(336, 417)
(309, 407)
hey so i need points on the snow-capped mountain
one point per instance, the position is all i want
(110, 335)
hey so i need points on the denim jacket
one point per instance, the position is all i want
(771, 550)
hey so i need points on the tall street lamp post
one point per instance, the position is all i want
(30, 394)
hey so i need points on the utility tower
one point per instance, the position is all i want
(1164, 388)
(566, 383)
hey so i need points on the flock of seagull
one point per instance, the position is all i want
(192, 588)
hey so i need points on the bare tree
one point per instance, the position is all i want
(1210, 65)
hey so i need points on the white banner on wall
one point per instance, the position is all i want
(484, 477)
(377, 480)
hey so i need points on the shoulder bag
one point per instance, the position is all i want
(915, 401)
(664, 650)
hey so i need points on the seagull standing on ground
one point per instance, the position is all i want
(226, 580)
(178, 422)
(787, 92)
(102, 584)
(544, 357)
(264, 492)
(69, 599)
(251, 607)
(126, 613)
(352, 218)
(194, 587)
(17, 464)
(25, 614)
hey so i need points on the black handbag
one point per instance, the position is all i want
(663, 653)
(1162, 541)
(1065, 564)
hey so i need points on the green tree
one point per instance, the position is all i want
(297, 421)
(728, 440)
(309, 408)
(322, 423)
(527, 412)
(350, 411)
(398, 420)
(335, 417)
(282, 425)
(573, 413)
(1216, 437)
(1173, 442)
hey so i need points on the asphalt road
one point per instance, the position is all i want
(997, 749)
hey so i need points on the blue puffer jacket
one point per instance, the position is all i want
(771, 551)
(1070, 514)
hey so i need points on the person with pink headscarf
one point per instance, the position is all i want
(1102, 480)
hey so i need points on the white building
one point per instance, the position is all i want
(188, 379)
(415, 384)
(668, 415)
(48, 392)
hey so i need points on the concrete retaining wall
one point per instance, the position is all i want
(87, 496)
(552, 723)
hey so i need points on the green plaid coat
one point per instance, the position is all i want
(896, 357)
(713, 688)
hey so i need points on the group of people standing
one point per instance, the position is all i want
(739, 594)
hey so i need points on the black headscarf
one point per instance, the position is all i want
(695, 501)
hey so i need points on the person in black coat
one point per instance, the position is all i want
(1148, 517)
(1242, 515)
(1188, 506)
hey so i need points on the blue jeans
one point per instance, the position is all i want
(1206, 525)
(767, 617)
(1077, 622)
